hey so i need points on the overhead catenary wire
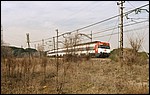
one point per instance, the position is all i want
(128, 12)
(80, 11)
(112, 32)
(119, 32)
(124, 31)
(131, 4)
(36, 41)
(141, 39)
(113, 28)
(117, 27)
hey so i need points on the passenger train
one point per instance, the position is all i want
(93, 49)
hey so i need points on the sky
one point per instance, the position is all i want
(41, 19)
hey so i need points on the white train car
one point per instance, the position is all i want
(94, 49)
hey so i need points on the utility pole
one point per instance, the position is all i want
(35, 46)
(57, 41)
(54, 43)
(1, 35)
(42, 47)
(28, 40)
(57, 64)
(91, 36)
(42, 44)
(121, 28)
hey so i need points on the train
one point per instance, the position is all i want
(94, 49)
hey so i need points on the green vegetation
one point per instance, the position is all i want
(15, 51)
(114, 55)
(143, 55)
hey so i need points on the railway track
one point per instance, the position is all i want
(93, 59)
(100, 59)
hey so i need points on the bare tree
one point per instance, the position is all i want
(70, 44)
(131, 56)
(136, 43)
(40, 49)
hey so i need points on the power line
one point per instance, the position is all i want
(131, 4)
(36, 41)
(119, 32)
(128, 12)
(112, 32)
(104, 20)
(124, 31)
(117, 27)
(141, 38)
(77, 13)
(131, 30)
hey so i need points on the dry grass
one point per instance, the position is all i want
(38, 76)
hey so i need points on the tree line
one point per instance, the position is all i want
(8, 51)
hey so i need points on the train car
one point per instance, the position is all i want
(93, 49)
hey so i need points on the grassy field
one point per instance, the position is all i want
(39, 75)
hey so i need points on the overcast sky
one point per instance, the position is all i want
(41, 18)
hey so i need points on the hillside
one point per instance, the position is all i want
(15, 51)
(114, 54)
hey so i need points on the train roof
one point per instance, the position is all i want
(82, 44)
(89, 43)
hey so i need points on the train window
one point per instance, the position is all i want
(105, 47)
(84, 49)
(91, 48)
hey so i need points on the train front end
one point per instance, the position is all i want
(102, 49)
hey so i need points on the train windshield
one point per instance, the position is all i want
(105, 47)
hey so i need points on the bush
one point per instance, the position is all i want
(114, 55)
(131, 57)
